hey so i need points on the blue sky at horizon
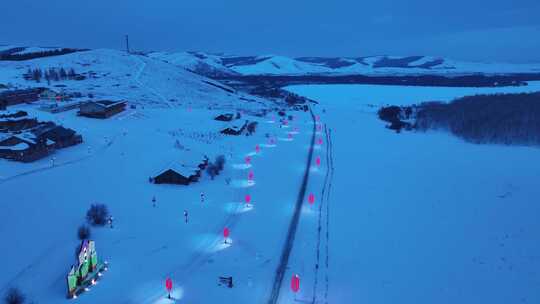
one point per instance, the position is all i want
(468, 30)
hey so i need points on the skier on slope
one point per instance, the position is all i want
(186, 216)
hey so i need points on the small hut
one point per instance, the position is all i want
(234, 130)
(177, 174)
(224, 117)
(61, 137)
(180, 174)
(101, 109)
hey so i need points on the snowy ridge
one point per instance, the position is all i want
(208, 64)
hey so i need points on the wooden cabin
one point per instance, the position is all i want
(15, 124)
(57, 136)
(225, 117)
(180, 174)
(23, 148)
(14, 97)
(234, 130)
(101, 109)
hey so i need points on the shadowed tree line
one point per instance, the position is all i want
(510, 119)
(51, 74)
(34, 55)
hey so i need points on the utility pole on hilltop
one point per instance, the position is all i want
(127, 43)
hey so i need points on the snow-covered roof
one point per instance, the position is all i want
(181, 169)
(187, 164)
(13, 118)
(27, 136)
(17, 147)
(108, 103)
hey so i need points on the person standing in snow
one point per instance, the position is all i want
(110, 220)
(154, 201)
(202, 197)
(186, 216)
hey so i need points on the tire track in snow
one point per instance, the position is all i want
(327, 248)
(289, 241)
(150, 89)
(320, 220)
(59, 165)
(201, 255)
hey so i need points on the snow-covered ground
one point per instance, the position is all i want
(418, 218)
(408, 218)
(44, 204)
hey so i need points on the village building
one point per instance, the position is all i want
(23, 147)
(224, 117)
(101, 109)
(14, 124)
(180, 174)
(25, 139)
(234, 130)
(57, 136)
(14, 97)
(49, 94)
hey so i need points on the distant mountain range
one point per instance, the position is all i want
(216, 65)
(222, 65)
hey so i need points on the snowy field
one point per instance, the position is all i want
(419, 217)
(44, 205)
(408, 218)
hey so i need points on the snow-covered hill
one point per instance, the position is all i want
(198, 62)
(208, 64)
(138, 79)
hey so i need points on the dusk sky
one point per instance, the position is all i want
(494, 30)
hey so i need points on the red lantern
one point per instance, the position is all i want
(248, 160)
(248, 198)
(290, 135)
(168, 284)
(311, 198)
(317, 118)
(257, 148)
(319, 128)
(295, 283)
(250, 175)
(318, 161)
(226, 233)
(320, 141)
